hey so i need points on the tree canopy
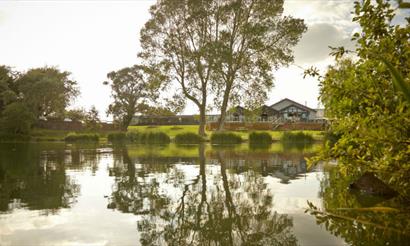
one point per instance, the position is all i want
(220, 50)
(131, 89)
(27, 97)
(47, 91)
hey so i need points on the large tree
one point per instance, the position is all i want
(231, 47)
(47, 91)
(254, 40)
(131, 89)
(179, 38)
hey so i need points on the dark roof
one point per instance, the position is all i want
(296, 103)
(268, 110)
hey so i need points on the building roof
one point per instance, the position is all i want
(268, 110)
(293, 102)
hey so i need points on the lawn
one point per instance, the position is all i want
(42, 135)
(172, 131)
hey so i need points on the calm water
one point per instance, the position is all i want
(57, 194)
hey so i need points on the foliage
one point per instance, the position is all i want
(131, 88)
(300, 137)
(177, 42)
(359, 218)
(150, 137)
(92, 120)
(188, 138)
(16, 119)
(260, 138)
(7, 91)
(76, 115)
(231, 47)
(81, 137)
(47, 91)
(254, 39)
(225, 138)
(369, 111)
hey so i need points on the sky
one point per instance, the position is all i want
(92, 38)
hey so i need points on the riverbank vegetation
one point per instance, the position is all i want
(370, 113)
(225, 138)
(76, 137)
(188, 138)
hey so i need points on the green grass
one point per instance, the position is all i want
(45, 135)
(172, 131)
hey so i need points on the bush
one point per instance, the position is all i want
(16, 119)
(148, 137)
(74, 137)
(225, 138)
(188, 138)
(117, 137)
(297, 137)
(260, 138)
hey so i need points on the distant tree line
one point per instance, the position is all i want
(39, 93)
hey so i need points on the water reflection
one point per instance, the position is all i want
(343, 214)
(213, 207)
(62, 194)
(29, 178)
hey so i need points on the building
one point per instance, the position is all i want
(285, 110)
(293, 111)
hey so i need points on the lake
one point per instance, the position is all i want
(61, 194)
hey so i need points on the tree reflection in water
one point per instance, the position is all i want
(35, 180)
(343, 214)
(214, 207)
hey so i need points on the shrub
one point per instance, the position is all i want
(188, 138)
(74, 137)
(175, 128)
(117, 137)
(156, 137)
(148, 137)
(297, 137)
(16, 119)
(260, 138)
(225, 138)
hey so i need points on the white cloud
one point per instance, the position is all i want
(314, 45)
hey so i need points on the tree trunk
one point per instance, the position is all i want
(224, 106)
(202, 121)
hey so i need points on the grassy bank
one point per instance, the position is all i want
(46, 135)
(172, 131)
